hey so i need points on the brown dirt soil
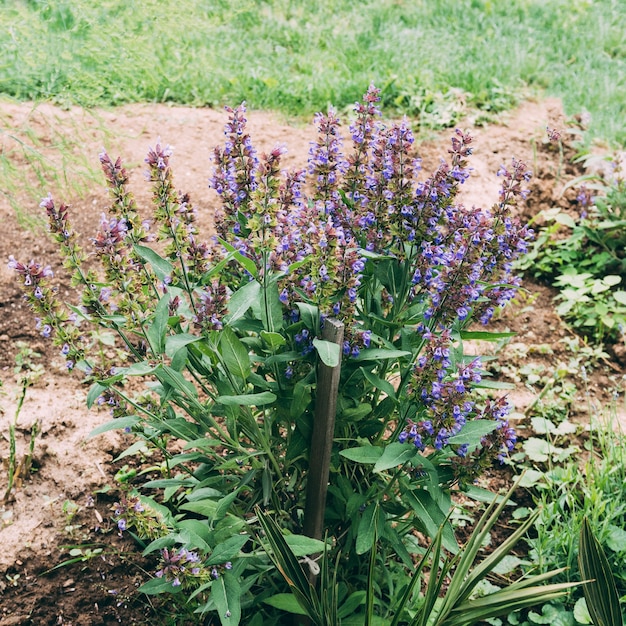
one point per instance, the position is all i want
(63, 500)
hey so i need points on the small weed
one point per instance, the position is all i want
(27, 371)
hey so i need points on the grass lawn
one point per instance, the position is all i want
(432, 57)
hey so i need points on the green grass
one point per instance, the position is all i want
(297, 56)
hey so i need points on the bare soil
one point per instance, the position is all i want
(64, 500)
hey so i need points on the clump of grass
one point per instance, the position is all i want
(41, 152)
(18, 467)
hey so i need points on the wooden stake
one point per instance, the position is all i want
(323, 434)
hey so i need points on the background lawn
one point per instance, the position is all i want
(434, 58)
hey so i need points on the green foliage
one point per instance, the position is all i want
(570, 499)
(436, 59)
(449, 594)
(588, 264)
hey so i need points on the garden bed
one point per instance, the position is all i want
(65, 499)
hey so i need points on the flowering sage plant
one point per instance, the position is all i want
(227, 335)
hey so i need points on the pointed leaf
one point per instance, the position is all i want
(235, 354)
(226, 593)
(485, 335)
(271, 308)
(366, 532)
(286, 602)
(156, 331)
(329, 352)
(95, 391)
(379, 383)
(244, 261)
(173, 343)
(600, 592)
(363, 454)
(251, 399)
(395, 454)
(227, 550)
(473, 432)
(432, 517)
(162, 268)
(241, 301)
(376, 354)
(118, 423)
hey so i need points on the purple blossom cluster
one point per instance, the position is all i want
(444, 391)
(467, 465)
(180, 565)
(132, 513)
(211, 307)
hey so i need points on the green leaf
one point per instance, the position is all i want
(235, 354)
(273, 340)
(542, 425)
(616, 539)
(156, 586)
(493, 384)
(169, 376)
(286, 602)
(116, 424)
(244, 261)
(375, 354)
(363, 454)
(565, 219)
(251, 399)
(351, 604)
(554, 615)
(301, 545)
(538, 450)
(224, 504)
(366, 531)
(620, 296)
(226, 593)
(271, 308)
(143, 368)
(95, 391)
(241, 301)
(507, 565)
(472, 433)
(301, 399)
(173, 343)
(288, 565)
(600, 592)
(384, 385)
(611, 280)
(431, 516)
(581, 612)
(395, 454)
(227, 550)
(162, 268)
(309, 315)
(329, 352)
(156, 331)
(482, 495)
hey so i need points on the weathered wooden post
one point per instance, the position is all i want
(323, 434)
